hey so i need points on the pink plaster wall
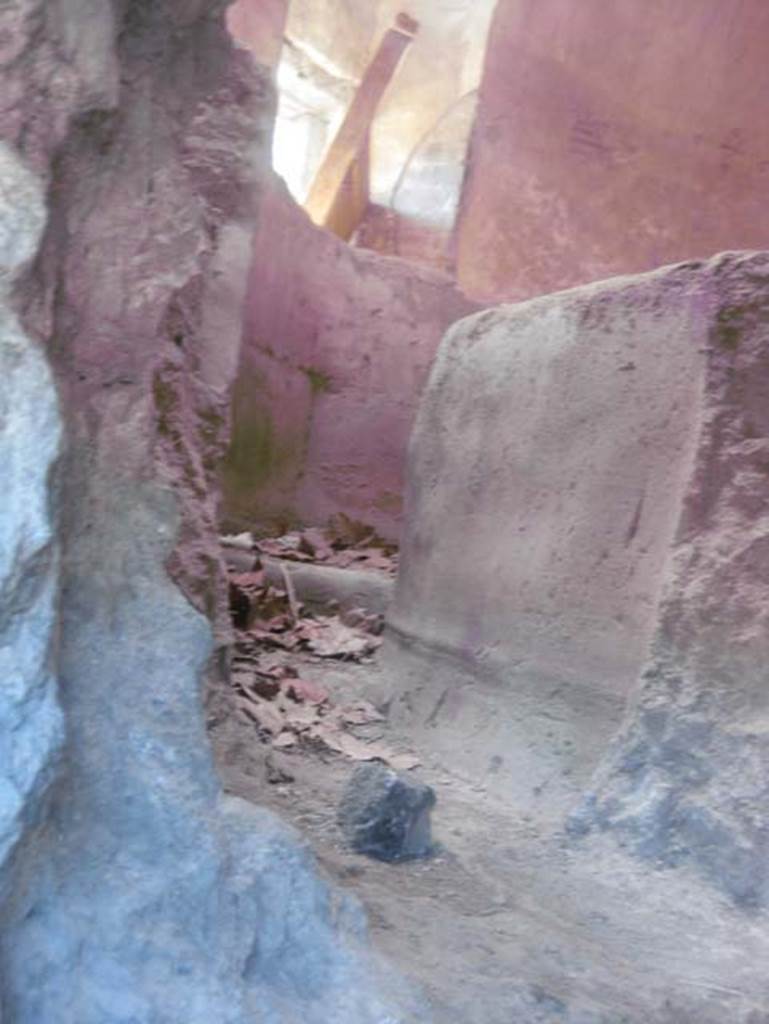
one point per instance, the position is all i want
(259, 25)
(338, 343)
(614, 136)
(391, 233)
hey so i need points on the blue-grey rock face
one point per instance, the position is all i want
(146, 900)
(134, 895)
(30, 718)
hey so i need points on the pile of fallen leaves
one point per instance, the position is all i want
(276, 640)
(275, 619)
(344, 544)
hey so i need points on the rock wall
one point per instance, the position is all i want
(613, 138)
(133, 893)
(259, 26)
(31, 725)
(585, 477)
(337, 345)
(687, 780)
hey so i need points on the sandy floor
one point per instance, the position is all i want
(507, 926)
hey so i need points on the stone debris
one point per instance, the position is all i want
(134, 153)
(385, 815)
(275, 638)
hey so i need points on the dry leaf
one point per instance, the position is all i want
(330, 638)
(248, 580)
(241, 540)
(273, 663)
(288, 546)
(403, 762)
(315, 544)
(344, 743)
(301, 717)
(286, 739)
(304, 691)
(359, 713)
(265, 686)
(346, 532)
(288, 641)
(264, 714)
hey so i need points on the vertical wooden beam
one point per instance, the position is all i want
(353, 133)
(353, 198)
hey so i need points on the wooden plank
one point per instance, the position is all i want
(352, 200)
(353, 133)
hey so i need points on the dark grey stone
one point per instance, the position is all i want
(662, 798)
(386, 815)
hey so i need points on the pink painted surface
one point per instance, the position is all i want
(391, 233)
(615, 137)
(338, 344)
(259, 24)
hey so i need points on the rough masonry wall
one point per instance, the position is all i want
(544, 477)
(613, 138)
(586, 477)
(687, 780)
(135, 894)
(337, 345)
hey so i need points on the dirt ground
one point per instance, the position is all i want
(505, 925)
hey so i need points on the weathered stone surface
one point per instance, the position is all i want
(557, 480)
(31, 726)
(544, 484)
(138, 898)
(602, 147)
(386, 815)
(687, 780)
(331, 372)
(540, 600)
